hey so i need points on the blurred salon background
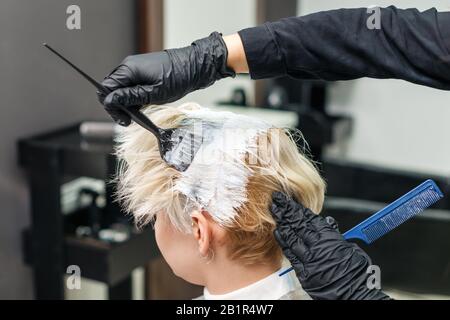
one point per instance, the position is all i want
(374, 140)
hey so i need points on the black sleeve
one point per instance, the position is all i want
(338, 45)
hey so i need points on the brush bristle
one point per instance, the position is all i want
(185, 144)
(402, 213)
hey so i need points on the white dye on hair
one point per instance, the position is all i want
(185, 143)
(217, 176)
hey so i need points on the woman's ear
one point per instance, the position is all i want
(202, 230)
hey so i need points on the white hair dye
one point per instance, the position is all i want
(218, 174)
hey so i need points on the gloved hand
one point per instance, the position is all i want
(327, 266)
(166, 76)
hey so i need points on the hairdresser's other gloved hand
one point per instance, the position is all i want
(166, 76)
(327, 266)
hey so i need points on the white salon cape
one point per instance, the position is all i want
(272, 287)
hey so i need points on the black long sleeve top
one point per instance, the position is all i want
(339, 45)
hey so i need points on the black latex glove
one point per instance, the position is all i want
(327, 266)
(166, 76)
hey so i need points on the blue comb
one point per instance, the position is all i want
(393, 215)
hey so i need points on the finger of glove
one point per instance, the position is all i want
(287, 211)
(120, 77)
(352, 271)
(128, 97)
(360, 254)
(293, 220)
(310, 236)
(326, 228)
(295, 260)
(119, 117)
(291, 241)
(101, 96)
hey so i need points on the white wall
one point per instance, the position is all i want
(397, 124)
(186, 21)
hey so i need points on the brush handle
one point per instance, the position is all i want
(133, 112)
(142, 120)
(86, 76)
(355, 233)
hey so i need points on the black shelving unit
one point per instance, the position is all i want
(51, 159)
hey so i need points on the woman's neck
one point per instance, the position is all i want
(227, 276)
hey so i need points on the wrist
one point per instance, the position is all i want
(236, 59)
(207, 59)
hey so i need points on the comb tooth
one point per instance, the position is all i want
(401, 214)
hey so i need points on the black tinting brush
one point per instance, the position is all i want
(177, 146)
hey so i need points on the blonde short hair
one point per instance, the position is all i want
(146, 186)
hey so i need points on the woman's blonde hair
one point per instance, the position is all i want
(146, 185)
